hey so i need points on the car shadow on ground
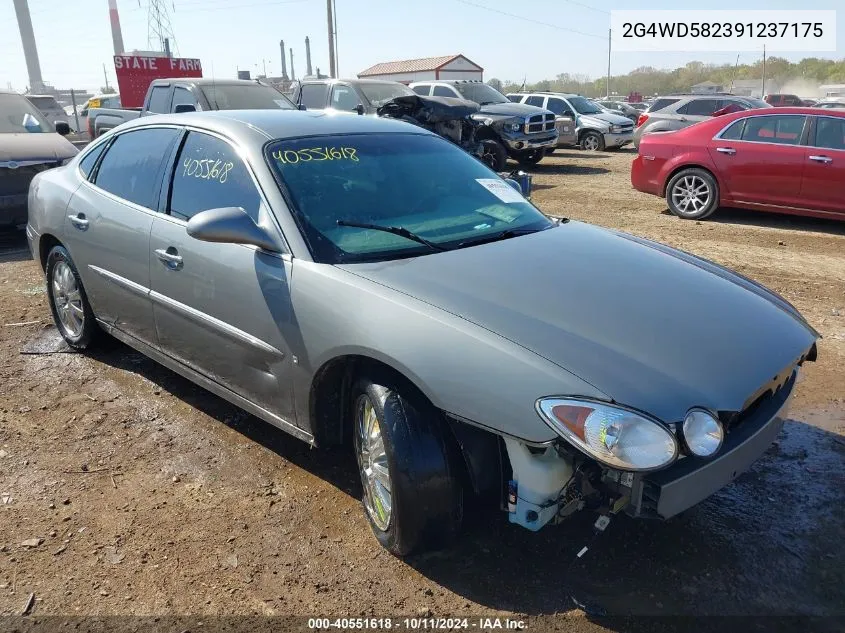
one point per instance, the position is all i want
(727, 215)
(13, 246)
(565, 170)
(768, 544)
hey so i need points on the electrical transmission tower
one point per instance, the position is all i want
(160, 35)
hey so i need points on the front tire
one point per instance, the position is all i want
(72, 313)
(592, 142)
(493, 154)
(692, 194)
(412, 490)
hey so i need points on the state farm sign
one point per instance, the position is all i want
(135, 72)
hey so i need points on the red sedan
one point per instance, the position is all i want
(791, 160)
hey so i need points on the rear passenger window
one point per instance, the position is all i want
(209, 174)
(734, 132)
(830, 133)
(314, 96)
(515, 98)
(699, 107)
(444, 91)
(535, 100)
(783, 130)
(159, 101)
(422, 90)
(87, 162)
(658, 105)
(131, 168)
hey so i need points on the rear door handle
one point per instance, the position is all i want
(726, 150)
(79, 221)
(821, 159)
(169, 256)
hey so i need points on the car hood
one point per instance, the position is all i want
(604, 117)
(653, 328)
(511, 109)
(41, 147)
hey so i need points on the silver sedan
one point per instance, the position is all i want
(360, 280)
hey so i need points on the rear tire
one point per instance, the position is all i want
(410, 471)
(72, 313)
(530, 157)
(692, 194)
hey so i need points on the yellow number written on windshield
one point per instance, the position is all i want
(292, 157)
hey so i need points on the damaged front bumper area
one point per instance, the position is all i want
(550, 483)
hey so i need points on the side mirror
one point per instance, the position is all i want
(185, 107)
(301, 106)
(229, 225)
(359, 109)
(62, 127)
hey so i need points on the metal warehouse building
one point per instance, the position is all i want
(427, 68)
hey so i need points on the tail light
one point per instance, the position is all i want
(642, 119)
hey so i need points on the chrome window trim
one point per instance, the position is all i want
(718, 135)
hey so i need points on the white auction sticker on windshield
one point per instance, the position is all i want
(502, 190)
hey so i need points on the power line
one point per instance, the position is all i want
(587, 6)
(520, 17)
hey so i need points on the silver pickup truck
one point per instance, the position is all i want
(191, 95)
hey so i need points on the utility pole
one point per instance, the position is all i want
(763, 91)
(106, 76)
(334, 24)
(609, 33)
(332, 60)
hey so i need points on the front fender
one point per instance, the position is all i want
(468, 372)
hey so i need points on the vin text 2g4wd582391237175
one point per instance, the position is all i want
(359, 280)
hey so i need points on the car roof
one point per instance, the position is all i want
(263, 125)
(329, 80)
(546, 93)
(206, 81)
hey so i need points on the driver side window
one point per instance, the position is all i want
(209, 174)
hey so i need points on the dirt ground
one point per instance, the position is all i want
(127, 491)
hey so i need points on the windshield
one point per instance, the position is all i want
(420, 183)
(17, 115)
(584, 106)
(380, 93)
(246, 97)
(481, 93)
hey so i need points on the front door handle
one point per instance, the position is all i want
(726, 150)
(79, 221)
(821, 159)
(169, 256)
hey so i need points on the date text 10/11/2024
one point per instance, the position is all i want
(416, 624)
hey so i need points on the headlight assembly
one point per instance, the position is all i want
(703, 433)
(612, 435)
(513, 127)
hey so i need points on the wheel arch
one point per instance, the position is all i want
(46, 243)
(330, 403)
(676, 169)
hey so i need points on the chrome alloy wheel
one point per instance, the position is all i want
(591, 143)
(691, 194)
(68, 300)
(372, 462)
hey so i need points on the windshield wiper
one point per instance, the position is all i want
(502, 235)
(395, 230)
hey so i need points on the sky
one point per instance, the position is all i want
(538, 40)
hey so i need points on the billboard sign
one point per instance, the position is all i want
(135, 72)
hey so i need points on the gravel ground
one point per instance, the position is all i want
(127, 491)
